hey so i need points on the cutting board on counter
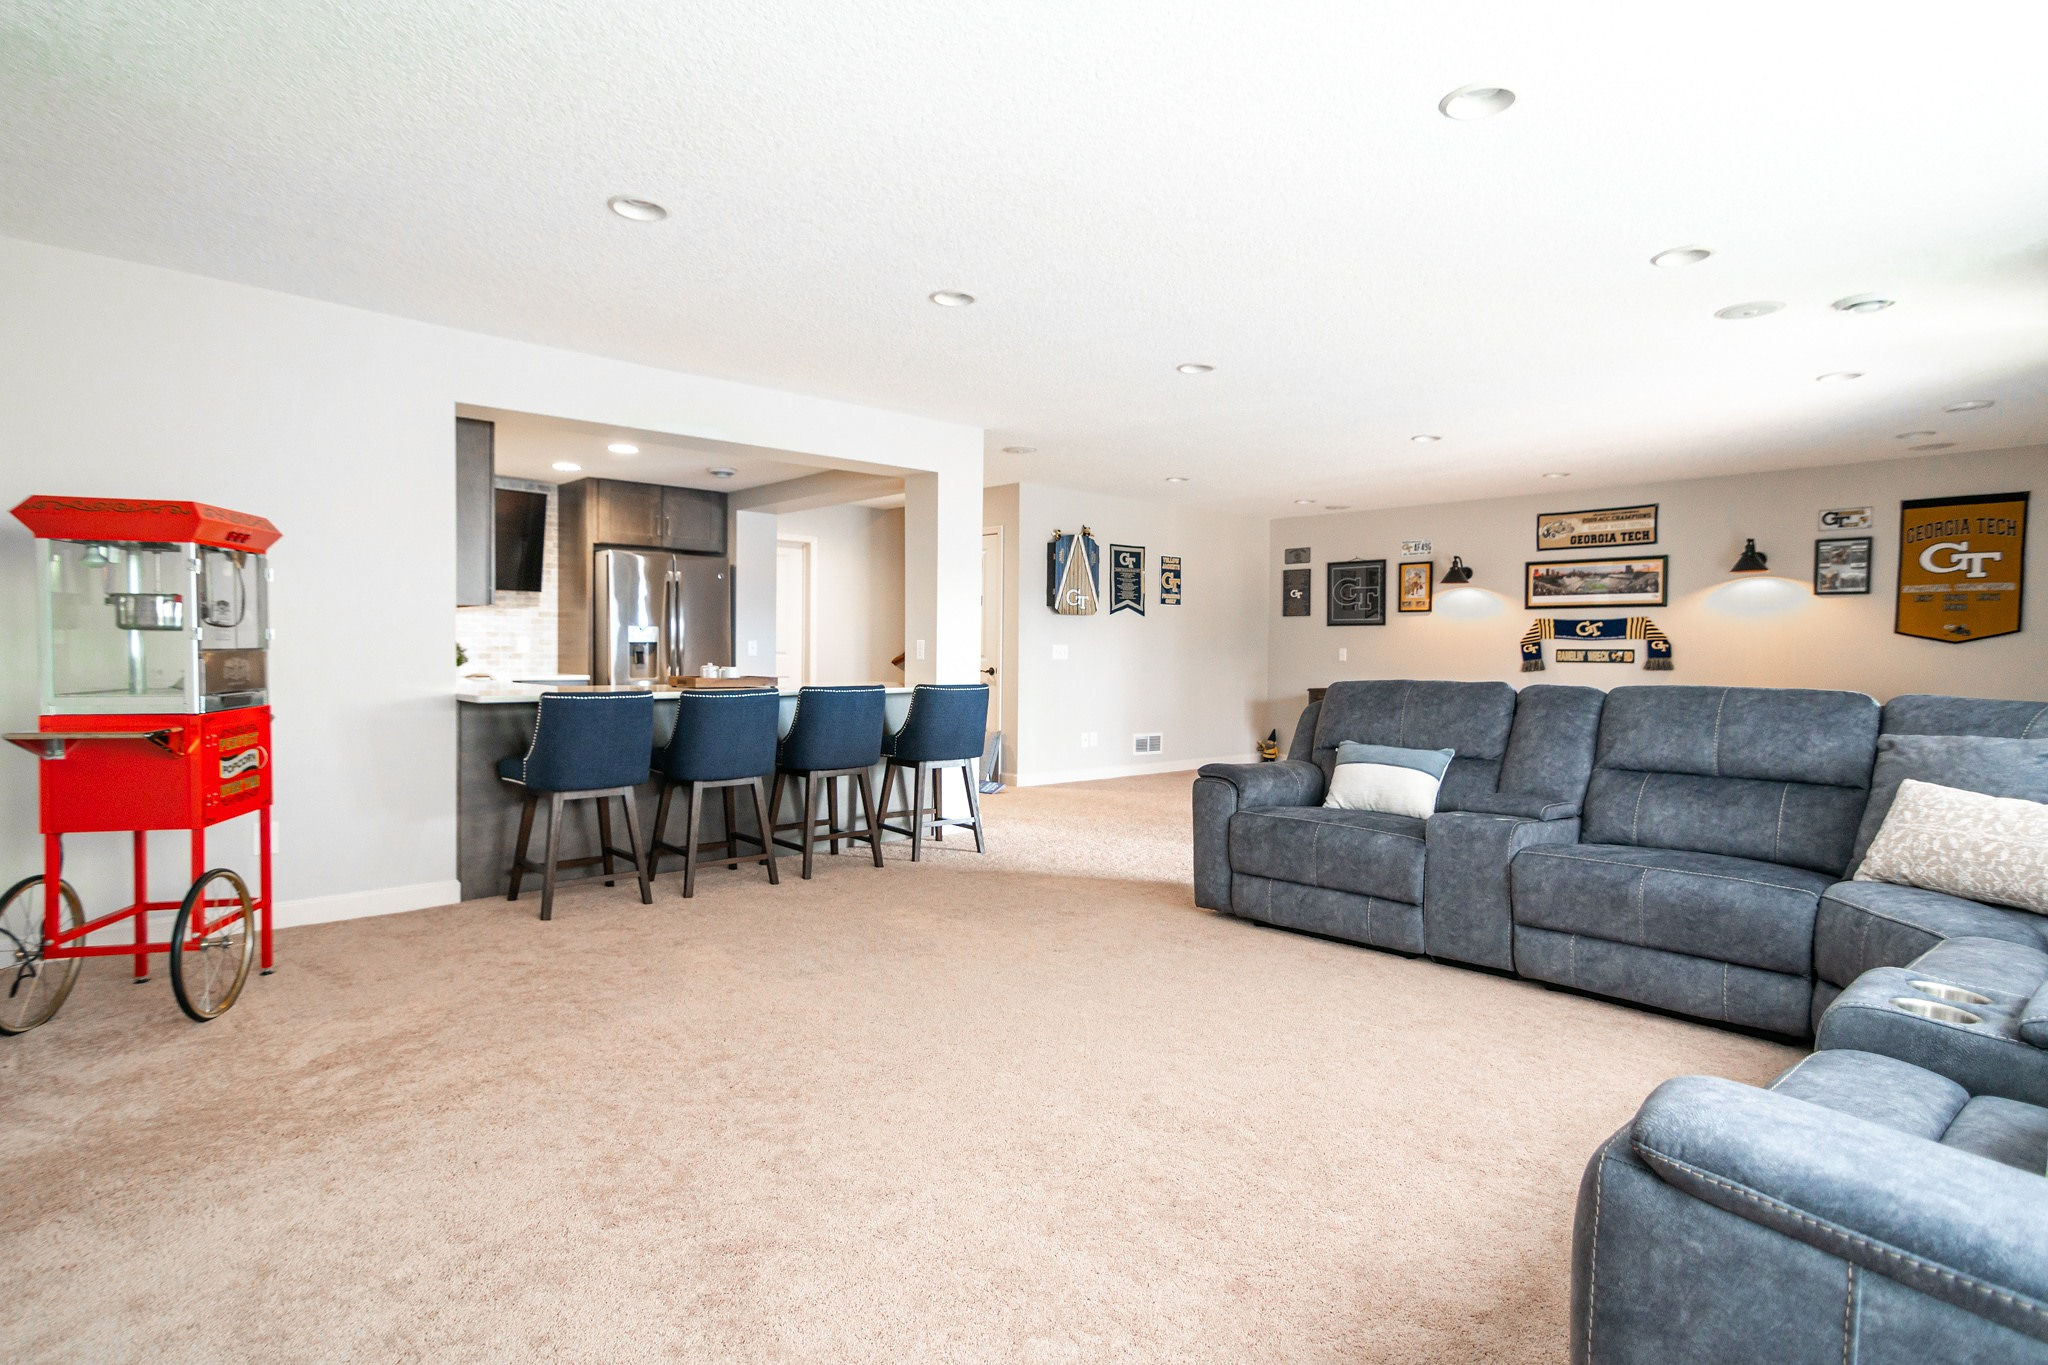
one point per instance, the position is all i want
(693, 683)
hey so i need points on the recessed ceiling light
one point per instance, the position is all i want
(566, 467)
(623, 448)
(1837, 376)
(1193, 368)
(639, 210)
(1935, 445)
(721, 472)
(1475, 101)
(1968, 405)
(1424, 440)
(1304, 502)
(1557, 476)
(1338, 507)
(951, 298)
(1861, 303)
(1020, 450)
(1176, 478)
(1761, 308)
(1680, 255)
(1909, 435)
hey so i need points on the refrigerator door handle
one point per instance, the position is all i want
(670, 660)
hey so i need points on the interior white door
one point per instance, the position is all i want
(792, 612)
(992, 670)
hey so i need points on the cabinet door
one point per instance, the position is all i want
(475, 513)
(693, 519)
(628, 513)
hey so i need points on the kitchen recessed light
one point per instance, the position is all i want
(1304, 502)
(1760, 308)
(566, 467)
(1680, 255)
(1837, 376)
(721, 472)
(1475, 101)
(951, 298)
(1557, 476)
(623, 448)
(1909, 435)
(1020, 450)
(1968, 405)
(639, 210)
(1424, 440)
(1861, 303)
(1338, 507)
(1935, 445)
(1176, 478)
(1193, 368)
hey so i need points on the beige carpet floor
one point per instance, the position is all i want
(1033, 1106)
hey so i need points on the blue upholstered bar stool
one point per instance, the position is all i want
(836, 732)
(723, 740)
(586, 746)
(946, 727)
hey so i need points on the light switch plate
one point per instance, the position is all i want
(920, 649)
(1059, 652)
(753, 648)
(1343, 656)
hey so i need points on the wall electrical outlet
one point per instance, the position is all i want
(753, 648)
(1343, 656)
(1088, 739)
(1059, 652)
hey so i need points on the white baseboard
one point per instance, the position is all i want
(385, 900)
(1142, 768)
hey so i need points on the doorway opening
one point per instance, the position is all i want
(795, 617)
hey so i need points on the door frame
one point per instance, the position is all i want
(1002, 659)
(810, 594)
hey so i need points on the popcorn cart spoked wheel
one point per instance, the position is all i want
(153, 720)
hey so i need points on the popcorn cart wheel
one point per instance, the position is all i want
(155, 718)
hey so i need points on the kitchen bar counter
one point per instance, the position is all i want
(496, 719)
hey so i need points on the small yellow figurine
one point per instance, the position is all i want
(1269, 747)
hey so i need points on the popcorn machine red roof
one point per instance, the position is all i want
(153, 646)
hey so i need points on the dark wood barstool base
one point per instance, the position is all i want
(915, 789)
(808, 807)
(693, 798)
(606, 854)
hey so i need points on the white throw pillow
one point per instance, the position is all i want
(1986, 848)
(1396, 781)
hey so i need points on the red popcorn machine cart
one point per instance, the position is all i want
(153, 644)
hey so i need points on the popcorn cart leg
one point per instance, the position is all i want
(53, 874)
(263, 854)
(141, 900)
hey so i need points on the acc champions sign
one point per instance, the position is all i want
(1962, 562)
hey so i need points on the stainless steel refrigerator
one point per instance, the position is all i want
(655, 614)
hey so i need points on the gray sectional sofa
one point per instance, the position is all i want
(1678, 847)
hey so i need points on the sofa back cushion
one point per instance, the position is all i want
(1922, 714)
(1550, 749)
(1995, 766)
(1470, 719)
(1775, 774)
(1302, 747)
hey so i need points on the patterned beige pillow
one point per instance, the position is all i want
(1987, 848)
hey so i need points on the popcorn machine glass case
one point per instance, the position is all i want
(143, 627)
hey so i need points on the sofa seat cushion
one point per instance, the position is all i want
(1922, 1104)
(1875, 924)
(1709, 905)
(1369, 853)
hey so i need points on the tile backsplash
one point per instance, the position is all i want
(515, 636)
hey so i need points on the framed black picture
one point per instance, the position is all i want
(1841, 566)
(1294, 592)
(1636, 582)
(1355, 593)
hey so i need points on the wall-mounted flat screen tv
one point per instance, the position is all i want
(521, 539)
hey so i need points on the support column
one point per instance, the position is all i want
(942, 576)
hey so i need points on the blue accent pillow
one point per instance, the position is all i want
(1378, 777)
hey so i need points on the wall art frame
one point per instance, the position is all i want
(1355, 593)
(1636, 581)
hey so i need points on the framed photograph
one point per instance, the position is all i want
(1639, 582)
(1841, 567)
(1294, 592)
(1846, 519)
(1418, 585)
(1298, 555)
(1599, 528)
(1356, 593)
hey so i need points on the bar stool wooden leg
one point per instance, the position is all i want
(519, 852)
(832, 811)
(640, 847)
(695, 800)
(766, 822)
(867, 801)
(810, 818)
(547, 876)
(939, 804)
(972, 774)
(732, 843)
(668, 789)
(604, 837)
(917, 812)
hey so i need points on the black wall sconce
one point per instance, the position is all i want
(1753, 560)
(1458, 573)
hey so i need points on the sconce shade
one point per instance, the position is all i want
(1457, 573)
(1753, 560)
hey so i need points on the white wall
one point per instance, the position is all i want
(1195, 673)
(1766, 632)
(857, 591)
(338, 425)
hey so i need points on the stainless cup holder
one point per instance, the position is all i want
(1955, 995)
(1939, 1013)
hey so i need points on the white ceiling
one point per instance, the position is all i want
(1267, 188)
(527, 446)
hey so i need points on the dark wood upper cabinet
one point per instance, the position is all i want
(628, 513)
(474, 513)
(693, 519)
(644, 515)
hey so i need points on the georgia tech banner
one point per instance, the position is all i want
(1126, 579)
(1073, 571)
(1962, 562)
(1656, 649)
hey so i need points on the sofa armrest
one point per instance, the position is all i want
(1525, 805)
(1954, 1226)
(1467, 914)
(1224, 789)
